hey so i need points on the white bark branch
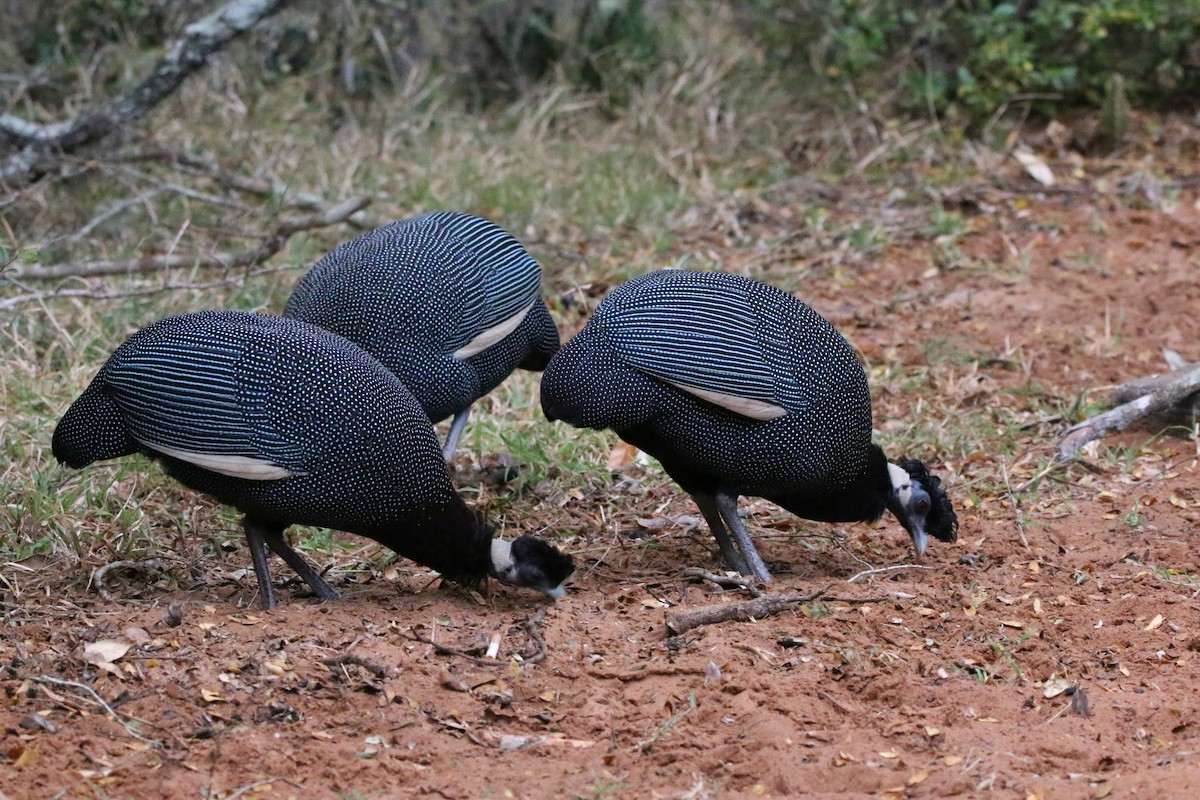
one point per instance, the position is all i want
(1168, 392)
(39, 142)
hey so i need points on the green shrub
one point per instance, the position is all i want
(969, 58)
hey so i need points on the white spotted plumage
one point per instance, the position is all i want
(737, 388)
(291, 424)
(449, 302)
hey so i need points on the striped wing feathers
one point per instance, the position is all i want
(708, 344)
(499, 282)
(183, 395)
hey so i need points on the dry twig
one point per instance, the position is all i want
(724, 581)
(765, 606)
(122, 721)
(880, 570)
(98, 575)
(357, 660)
(271, 244)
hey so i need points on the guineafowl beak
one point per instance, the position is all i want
(909, 502)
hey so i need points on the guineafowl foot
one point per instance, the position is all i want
(733, 559)
(255, 538)
(301, 567)
(727, 506)
(456, 429)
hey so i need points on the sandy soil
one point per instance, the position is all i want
(1053, 652)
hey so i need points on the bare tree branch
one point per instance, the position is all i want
(39, 142)
(31, 296)
(271, 244)
(1166, 394)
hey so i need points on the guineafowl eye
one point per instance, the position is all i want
(921, 505)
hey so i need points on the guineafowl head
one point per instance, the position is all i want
(920, 504)
(533, 563)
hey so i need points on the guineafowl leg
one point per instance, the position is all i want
(456, 429)
(256, 537)
(296, 561)
(708, 507)
(727, 506)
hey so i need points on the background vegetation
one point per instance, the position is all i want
(612, 136)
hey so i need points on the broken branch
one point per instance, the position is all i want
(187, 54)
(271, 244)
(1172, 391)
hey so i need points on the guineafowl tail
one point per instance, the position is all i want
(92, 430)
(545, 339)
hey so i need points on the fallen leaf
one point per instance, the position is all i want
(211, 696)
(931, 731)
(27, 757)
(1054, 687)
(917, 777)
(621, 456)
(454, 683)
(950, 761)
(1154, 623)
(105, 651)
(136, 635)
(1034, 165)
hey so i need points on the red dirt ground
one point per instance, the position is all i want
(951, 683)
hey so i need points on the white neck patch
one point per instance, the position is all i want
(901, 483)
(502, 560)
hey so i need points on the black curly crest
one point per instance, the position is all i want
(941, 522)
(555, 565)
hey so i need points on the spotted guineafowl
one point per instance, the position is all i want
(449, 302)
(292, 425)
(738, 388)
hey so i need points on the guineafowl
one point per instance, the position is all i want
(292, 424)
(738, 388)
(449, 302)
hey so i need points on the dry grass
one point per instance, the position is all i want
(712, 165)
(596, 197)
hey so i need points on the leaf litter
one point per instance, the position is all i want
(910, 697)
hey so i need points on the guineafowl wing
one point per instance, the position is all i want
(184, 393)
(709, 336)
(494, 281)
